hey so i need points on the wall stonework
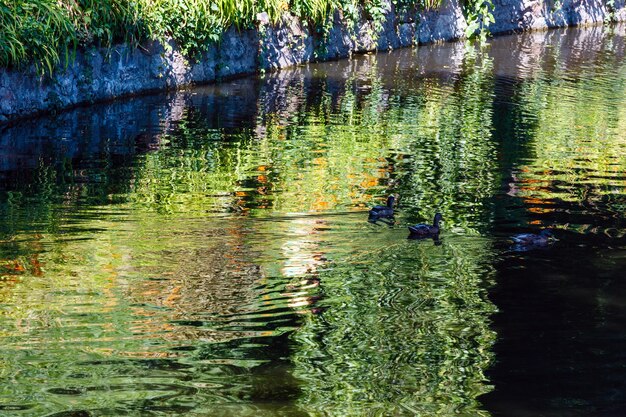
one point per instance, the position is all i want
(104, 74)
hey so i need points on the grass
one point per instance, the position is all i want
(45, 32)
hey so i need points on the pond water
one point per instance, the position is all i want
(207, 252)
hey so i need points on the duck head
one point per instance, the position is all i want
(438, 218)
(391, 200)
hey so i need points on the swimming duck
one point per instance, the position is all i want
(383, 212)
(532, 239)
(426, 229)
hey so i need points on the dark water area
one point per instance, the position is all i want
(207, 252)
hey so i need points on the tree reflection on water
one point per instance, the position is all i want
(207, 251)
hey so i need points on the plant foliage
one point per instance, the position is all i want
(47, 32)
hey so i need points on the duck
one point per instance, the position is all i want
(426, 230)
(532, 239)
(383, 212)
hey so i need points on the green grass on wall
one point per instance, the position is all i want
(47, 32)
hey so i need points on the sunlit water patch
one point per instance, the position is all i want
(207, 252)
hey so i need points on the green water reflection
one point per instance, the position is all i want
(206, 253)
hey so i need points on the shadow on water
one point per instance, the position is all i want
(207, 252)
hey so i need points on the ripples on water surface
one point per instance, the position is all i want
(206, 253)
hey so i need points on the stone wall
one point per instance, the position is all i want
(105, 74)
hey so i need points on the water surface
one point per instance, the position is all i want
(207, 252)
